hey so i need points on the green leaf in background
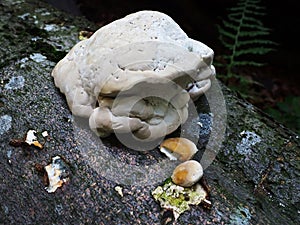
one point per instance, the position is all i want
(287, 112)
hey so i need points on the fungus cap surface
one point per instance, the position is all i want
(178, 148)
(142, 61)
(187, 173)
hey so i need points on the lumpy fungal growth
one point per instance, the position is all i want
(136, 74)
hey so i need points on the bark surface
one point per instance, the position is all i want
(254, 178)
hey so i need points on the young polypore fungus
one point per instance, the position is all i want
(187, 173)
(178, 148)
(136, 75)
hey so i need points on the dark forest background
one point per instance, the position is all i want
(278, 92)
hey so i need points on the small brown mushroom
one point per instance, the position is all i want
(178, 148)
(187, 173)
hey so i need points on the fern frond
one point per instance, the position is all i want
(255, 42)
(253, 51)
(226, 56)
(253, 33)
(254, 13)
(243, 34)
(247, 63)
(254, 2)
(233, 19)
(238, 9)
(230, 25)
(254, 20)
(255, 27)
(257, 8)
(225, 43)
(226, 33)
(217, 64)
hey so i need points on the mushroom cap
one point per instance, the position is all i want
(146, 48)
(187, 173)
(178, 148)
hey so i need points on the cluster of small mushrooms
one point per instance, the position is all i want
(189, 171)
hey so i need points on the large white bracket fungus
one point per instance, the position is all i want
(136, 74)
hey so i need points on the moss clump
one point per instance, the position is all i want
(177, 198)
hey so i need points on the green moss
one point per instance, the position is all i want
(38, 30)
(177, 198)
(48, 50)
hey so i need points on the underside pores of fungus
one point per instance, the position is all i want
(136, 74)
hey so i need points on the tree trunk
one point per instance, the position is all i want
(254, 178)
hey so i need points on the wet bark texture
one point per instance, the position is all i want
(254, 179)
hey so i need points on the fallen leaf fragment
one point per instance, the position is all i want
(45, 134)
(16, 142)
(83, 35)
(119, 190)
(57, 174)
(31, 139)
